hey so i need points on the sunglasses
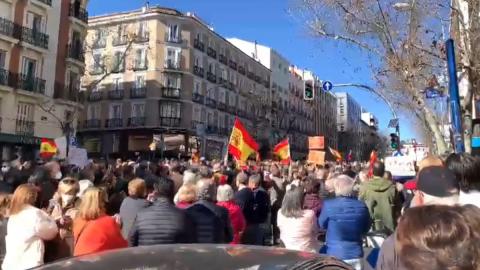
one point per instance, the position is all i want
(69, 181)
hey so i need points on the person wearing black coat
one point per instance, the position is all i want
(212, 222)
(162, 222)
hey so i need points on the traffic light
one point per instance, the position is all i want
(308, 92)
(394, 141)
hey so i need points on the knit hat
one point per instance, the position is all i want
(437, 181)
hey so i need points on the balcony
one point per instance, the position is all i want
(196, 124)
(169, 121)
(119, 41)
(114, 123)
(211, 129)
(266, 83)
(8, 28)
(199, 71)
(138, 92)
(71, 92)
(118, 67)
(45, 2)
(222, 81)
(31, 84)
(251, 75)
(230, 86)
(198, 98)
(34, 37)
(232, 65)
(199, 45)
(170, 92)
(211, 52)
(210, 102)
(258, 79)
(7, 78)
(232, 109)
(223, 59)
(24, 128)
(172, 65)
(140, 65)
(78, 13)
(222, 106)
(92, 123)
(99, 43)
(95, 96)
(241, 70)
(142, 37)
(211, 77)
(136, 121)
(116, 94)
(173, 39)
(75, 51)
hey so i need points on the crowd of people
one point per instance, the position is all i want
(52, 211)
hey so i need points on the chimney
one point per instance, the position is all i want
(146, 7)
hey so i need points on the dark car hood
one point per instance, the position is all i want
(190, 257)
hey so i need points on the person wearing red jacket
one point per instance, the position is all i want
(225, 198)
(93, 230)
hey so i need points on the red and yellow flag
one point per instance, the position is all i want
(48, 148)
(282, 150)
(241, 145)
(336, 154)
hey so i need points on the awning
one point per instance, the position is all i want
(19, 139)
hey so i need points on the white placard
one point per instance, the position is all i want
(400, 166)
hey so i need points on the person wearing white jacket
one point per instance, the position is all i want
(27, 228)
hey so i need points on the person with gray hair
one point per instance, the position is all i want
(212, 222)
(225, 198)
(346, 220)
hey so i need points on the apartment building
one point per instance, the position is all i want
(41, 63)
(349, 125)
(157, 73)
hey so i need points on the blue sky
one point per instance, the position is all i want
(269, 22)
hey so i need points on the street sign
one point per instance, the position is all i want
(433, 93)
(393, 123)
(327, 85)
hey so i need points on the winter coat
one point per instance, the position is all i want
(261, 207)
(277, 191)
(380, 197)
(244, 199)
(299, 233)
(211, 222)
(161, 223)
(236, 218)
(97, 235)
(313, 202)
(128, 211)
(346, 221)
(26, 232)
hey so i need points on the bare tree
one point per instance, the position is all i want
(404, 42)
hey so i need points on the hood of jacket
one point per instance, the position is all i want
(379, 184)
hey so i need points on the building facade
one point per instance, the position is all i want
(369, 137)
(159, 74)
(41, 62)
(349, 124)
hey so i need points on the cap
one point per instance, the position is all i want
(437, 181)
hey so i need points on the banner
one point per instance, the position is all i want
(316, 157)
(400, 166)
(316, 143)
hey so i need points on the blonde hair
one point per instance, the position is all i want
(187, 193)
(137, 188)
(68, 185)
(23, 196)
(5, 200)
(430, 161)
(94, 203)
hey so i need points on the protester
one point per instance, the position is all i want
(211, 222)
(225, 198)
(437, 237)
(186, 196)
(298, 226)
(137, 192)
(435, 186)
(27, 229)
(312, 199)
(94, 231)
(5, 200)
(64, 208)
(244, 195)
(346, 221)
(162, 222)
(255, 233)
(175, 175)
(276, 193)
(467, 171)
(380, 196)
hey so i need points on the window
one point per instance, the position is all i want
(115, 111)
(221, 96)
(140, 81)
(35, 22)
(119, 63)
(215, 118)
(142, 29)
(73, 80)
(197, 114)
(121, 35)
(173, 57)
(232, 99)
(138, 109)
(221, 122)
(117, 83)
(170, 109)
(141, 58)
(224, 74)
(204, 115)
(97, 62)
(198, 61)
(24, 111)
(226, 121)
(197, 89)
(173, 32)
(199, 36)
(101, 37)
(29, 67)
(211, 68)
(93, 112)
(3, 59)
(172, 81)
(211, 92)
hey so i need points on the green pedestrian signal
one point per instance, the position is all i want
(308, 92)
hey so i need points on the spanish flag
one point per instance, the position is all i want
(241, 145)
(48, 148)
(336, 154)
(282, 150)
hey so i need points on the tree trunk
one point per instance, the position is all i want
(441, 146)
(467, 131)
